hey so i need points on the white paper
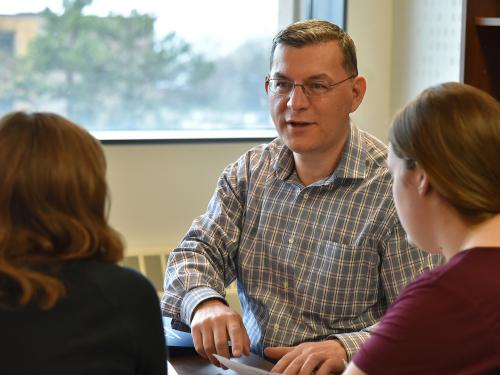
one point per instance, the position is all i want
(241, 368)
(171, 370)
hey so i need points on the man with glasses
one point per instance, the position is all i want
(305, 224)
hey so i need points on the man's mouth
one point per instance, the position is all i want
(298, 123)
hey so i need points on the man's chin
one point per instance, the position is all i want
(299, 147)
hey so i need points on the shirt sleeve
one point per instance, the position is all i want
(203, 265)
(351, 341)
(400, 264)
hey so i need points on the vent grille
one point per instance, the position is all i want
(150, 265)
(153, 267)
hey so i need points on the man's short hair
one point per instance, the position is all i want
(309, 32)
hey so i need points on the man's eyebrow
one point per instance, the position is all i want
(279, 76)
(321, 77)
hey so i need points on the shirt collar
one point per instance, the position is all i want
(352, 162)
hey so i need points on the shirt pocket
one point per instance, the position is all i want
(338, 281)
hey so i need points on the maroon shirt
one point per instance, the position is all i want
(447, 321)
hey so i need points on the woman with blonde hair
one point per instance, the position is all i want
(65, 306)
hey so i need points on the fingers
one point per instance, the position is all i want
(277, 352)
(307, 364)
(286, 359)
(308, 358)
(209, 346)
(210, 337)
(318, 363)
(212, 325)
(329, 366)
(198, 342)
(240, 342)
(296, 367)
(220, 339)
(204, 342)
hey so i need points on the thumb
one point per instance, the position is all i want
(277, 352)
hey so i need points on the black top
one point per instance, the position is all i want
(108, 323)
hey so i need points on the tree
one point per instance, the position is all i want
(236, 86)
(108, 71)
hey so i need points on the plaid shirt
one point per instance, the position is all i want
(311, 262)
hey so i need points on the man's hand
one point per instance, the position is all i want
(213, 324)
(320, 358)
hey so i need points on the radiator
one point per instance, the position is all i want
(153, 265)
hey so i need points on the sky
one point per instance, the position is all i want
(202, 23)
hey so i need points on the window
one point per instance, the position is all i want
(143, 69)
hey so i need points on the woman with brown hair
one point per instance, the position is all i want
(444, 157)
(65, 306)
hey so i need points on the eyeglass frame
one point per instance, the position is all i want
(302, 85)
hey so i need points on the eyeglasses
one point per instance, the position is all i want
(283, 87)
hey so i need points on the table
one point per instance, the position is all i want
(192, 364)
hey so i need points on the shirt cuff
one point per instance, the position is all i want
(193, 298)
(351, 341)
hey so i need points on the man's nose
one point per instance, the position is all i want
(297, 98)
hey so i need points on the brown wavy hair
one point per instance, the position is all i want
(53, 205)
(452, 131)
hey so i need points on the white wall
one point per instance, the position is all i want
(369, 23)
(426, 46)
(403, 45)
(158, 189)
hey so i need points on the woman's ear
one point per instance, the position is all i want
(424, 185)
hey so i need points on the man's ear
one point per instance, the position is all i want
(267, 85)
(358, 91)
(424, 185)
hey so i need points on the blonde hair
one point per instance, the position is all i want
(452, 131)
(53, 205)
